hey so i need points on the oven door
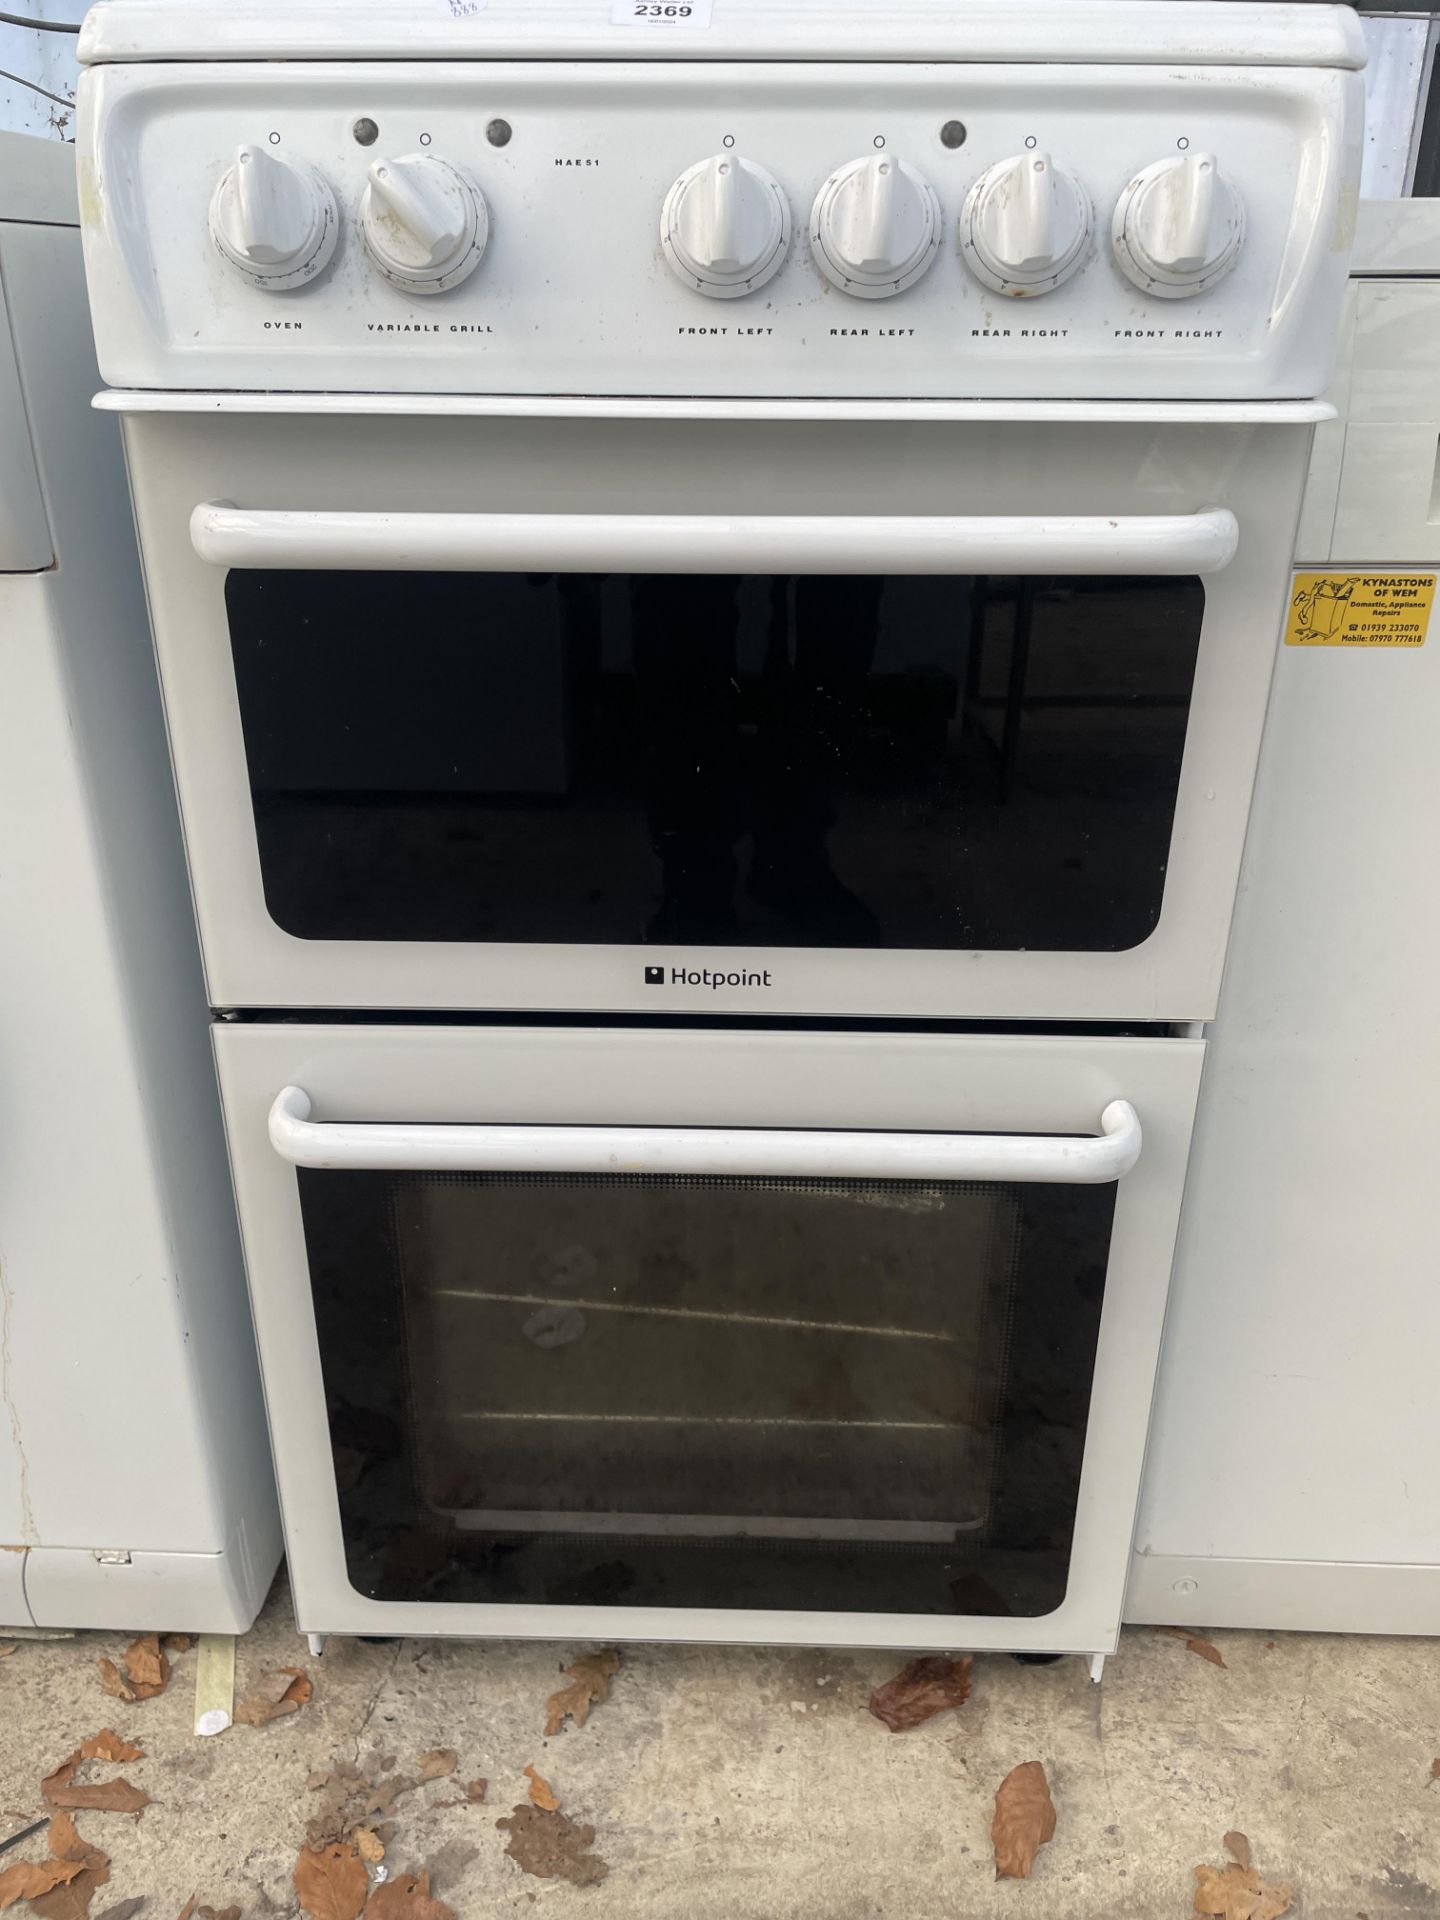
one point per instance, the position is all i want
(910, 720)
(708, 1335)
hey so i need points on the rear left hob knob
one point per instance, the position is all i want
(425, 222)
(875, 227)
(274, 220)
(1024, 225)
(725, 226)
(1178, 227)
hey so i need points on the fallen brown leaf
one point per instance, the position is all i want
(552, 1846)
(23, 1880)
(541, 1792)
(103, 1796)
(407, 1897)
(124, 1909)
(1238, 1848)
(437, 1763)
(188, 1908)
(369, 1845)
(1205, 1648)
(475, 1791)
(71, 1899)
(107, 1745)
(925, 1687)
(1238, 1893)
(217, 1913)
(590, 1682)
(7, 1647)
(182, 1643)
(330, 1882)
(113, 1682)
(1024, 1820)
(1435, 1768)
(282, 1691)
(146, 1668)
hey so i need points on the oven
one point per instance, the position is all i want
(712, 1334)
(715, 609)
(669, 715)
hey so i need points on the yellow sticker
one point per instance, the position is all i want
(1359, 609)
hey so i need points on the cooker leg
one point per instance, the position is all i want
(316, 1643)
(1097, 1667)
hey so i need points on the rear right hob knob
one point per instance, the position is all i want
(1024, 225)
(1179, 226)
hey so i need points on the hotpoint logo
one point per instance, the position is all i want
(706, 977)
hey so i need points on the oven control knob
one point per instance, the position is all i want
(275, 220)
(1024, 225)
(1178, 226)
(725, 226)
(425, 222)
(875, 227)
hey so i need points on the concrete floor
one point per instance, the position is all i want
(754, 1785)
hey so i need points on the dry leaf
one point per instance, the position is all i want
(105, 1796)
(1238, 1848)
(475, 1791)
(590, 1681)
(146, 1668)
(107, 1745)
(113, 1682)
(71, 1899)
(540, 1792)
(282, 1691)
(437, 1763)
(920, 1690)
(188, 1908)
(552, 1846)
(407, 1897)
(1238, 1894)
(218, 1913)
(124, 1909)
(331, 1882)
(1024, 1820)
(182, 1643)
(1205, 1649)
(23, 1881)
(7, 1647)
(369, 1846)
(1435, 1768)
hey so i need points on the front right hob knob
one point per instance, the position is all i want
(1179, 226)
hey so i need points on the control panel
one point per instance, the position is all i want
(763, 230)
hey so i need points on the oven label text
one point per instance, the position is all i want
(706, 977)
(1359, 609)
(661, 13)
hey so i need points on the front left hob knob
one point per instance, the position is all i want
(1024, 225)
(425, 222)
(875, 227)
(1179, 226)
(274, 220)
(725, 226)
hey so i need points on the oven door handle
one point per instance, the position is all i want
(1159, 543)
(781, 1153)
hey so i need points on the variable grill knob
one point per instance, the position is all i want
(875, 227)
(274, 220)
(1024, 225)
(426, 223)
(1178, 226)
(725, 226)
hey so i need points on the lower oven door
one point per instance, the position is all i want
(838, 1338)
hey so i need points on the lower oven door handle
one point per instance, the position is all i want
(783, 1153)
(1161, 543)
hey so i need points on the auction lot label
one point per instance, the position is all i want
(1359, 609)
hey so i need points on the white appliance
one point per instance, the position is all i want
(1297, 1390)
(715, 610)
(136, 1488)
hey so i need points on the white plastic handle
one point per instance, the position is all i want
(777, 1153)
(1162, 543)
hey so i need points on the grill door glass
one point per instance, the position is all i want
(934, 763)
(682, 1391)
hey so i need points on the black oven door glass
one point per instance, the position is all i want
(963, 762)
(668, 1391)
